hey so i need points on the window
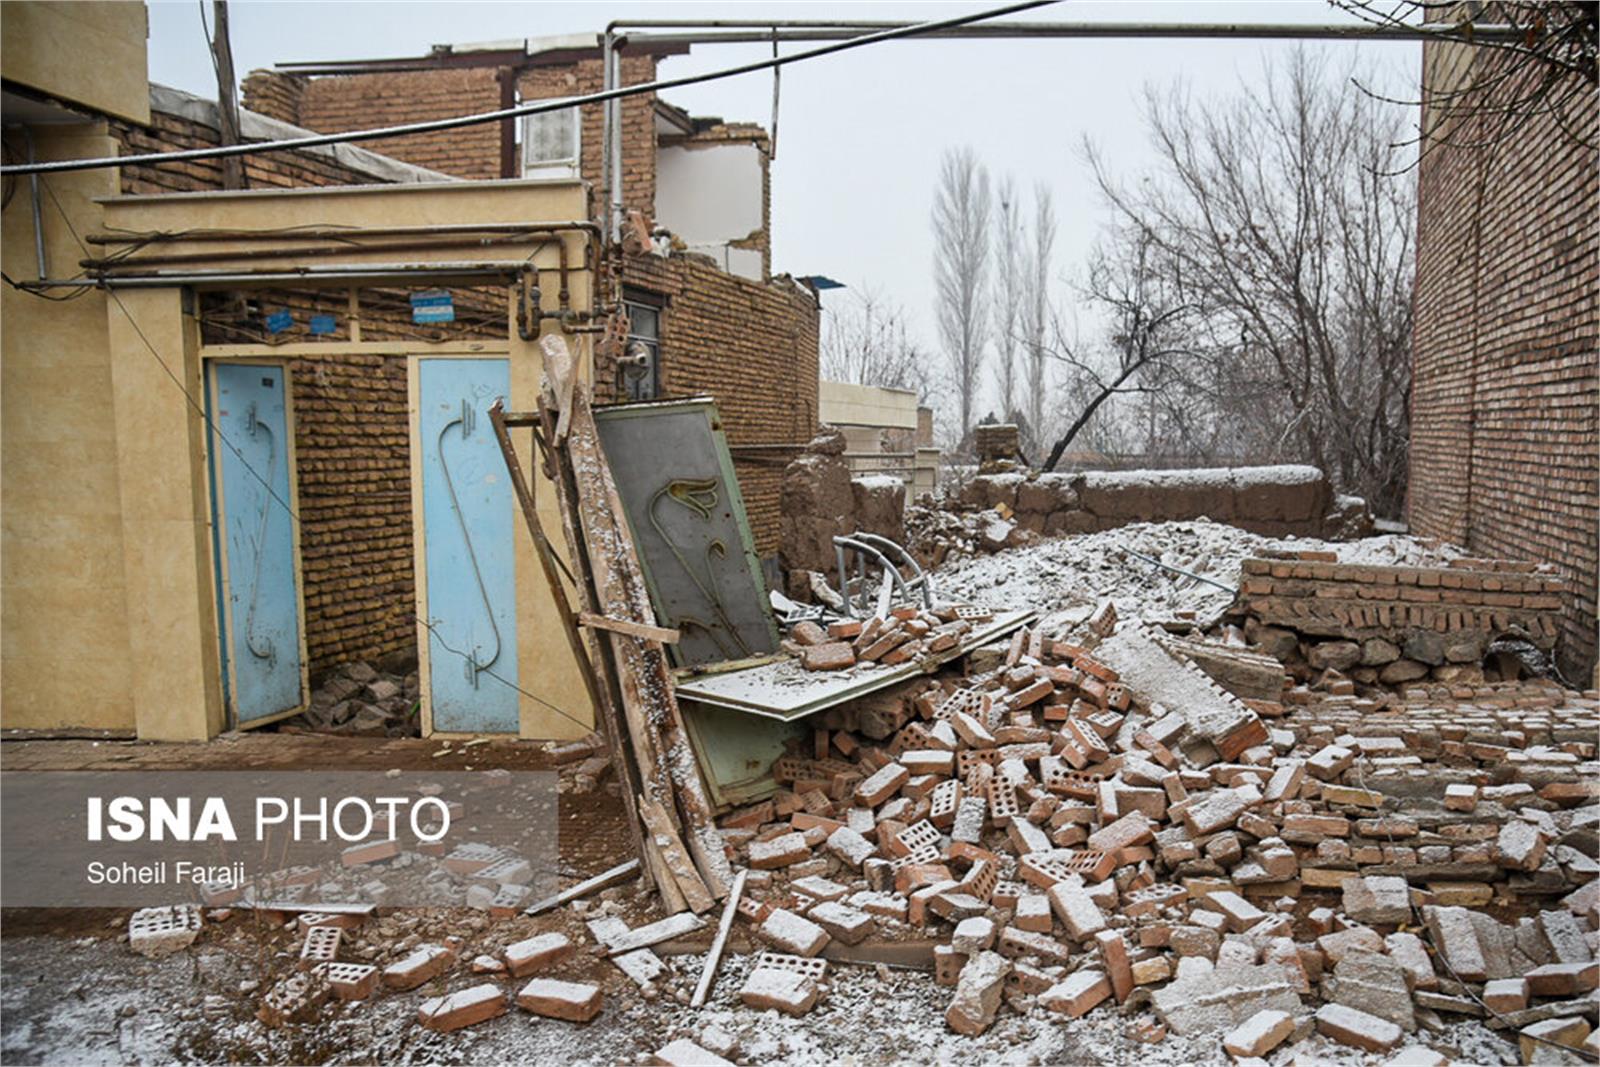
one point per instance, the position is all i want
(639, 371)
(550, 144)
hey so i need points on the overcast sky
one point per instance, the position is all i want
(859, 133)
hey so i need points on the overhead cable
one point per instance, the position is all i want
(534, 108)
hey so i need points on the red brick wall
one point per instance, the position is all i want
(268, 170)
(1504, 392)
(753, 346)
(363, 101)
(638, 126)
(352, 451)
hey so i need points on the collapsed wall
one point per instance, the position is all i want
(819, 501)
(1398, 624)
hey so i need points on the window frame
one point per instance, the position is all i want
(563, 167)
(655, 303)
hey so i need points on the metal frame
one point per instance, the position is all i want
(866, 545)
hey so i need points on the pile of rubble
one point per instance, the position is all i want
(1093, 821)
(1008, 508)
(902, 635)
(360, 700)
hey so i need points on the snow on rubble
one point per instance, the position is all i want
(1077, 570)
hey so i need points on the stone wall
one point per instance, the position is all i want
(1274, 501)
(1397, 624)
(1505, 448)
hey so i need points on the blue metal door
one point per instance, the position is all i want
(469, 536)
(251, 502)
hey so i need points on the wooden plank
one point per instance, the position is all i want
(599, 696)
(672, 899)
(655, 724)
(604, 880)
(634, 629)
(676, 858)
(708, 973)
(655, 933)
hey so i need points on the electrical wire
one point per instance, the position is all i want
(535, 108)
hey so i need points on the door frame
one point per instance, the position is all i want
(210, 360)
(419, 539)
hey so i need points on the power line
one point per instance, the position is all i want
(537, 108)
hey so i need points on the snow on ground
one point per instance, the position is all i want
(90, 1001)
(1082, 569)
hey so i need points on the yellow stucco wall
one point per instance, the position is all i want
(163, 491)
(64, 652)
(107, 608)
(87, 52)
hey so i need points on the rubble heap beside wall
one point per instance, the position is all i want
(1398, 624)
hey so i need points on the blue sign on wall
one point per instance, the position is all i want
(433, 305)
(323, 324)
(279, 321)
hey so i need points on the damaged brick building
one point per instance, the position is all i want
(1505, 456)
(711, 317)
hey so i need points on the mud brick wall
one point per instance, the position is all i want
(1505, 456)
(362, 101)
(750, 345)
(1275, 501)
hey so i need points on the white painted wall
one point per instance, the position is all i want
(710, 195)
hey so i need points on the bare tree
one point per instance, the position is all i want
(865, 342)
(1277, 220)
(1036, 313)
(1149, 325)
(961, 210)
(1548, 66)
(1008, 291)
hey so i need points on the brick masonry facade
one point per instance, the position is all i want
(351, 443)
(1485, 597)
(1507, 319)
(752, 346)
(363, 101)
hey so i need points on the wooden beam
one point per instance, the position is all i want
(599, 696)
(677, 859)
(633, 629)
(708, 973)
(604, 880)
(655, 724)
